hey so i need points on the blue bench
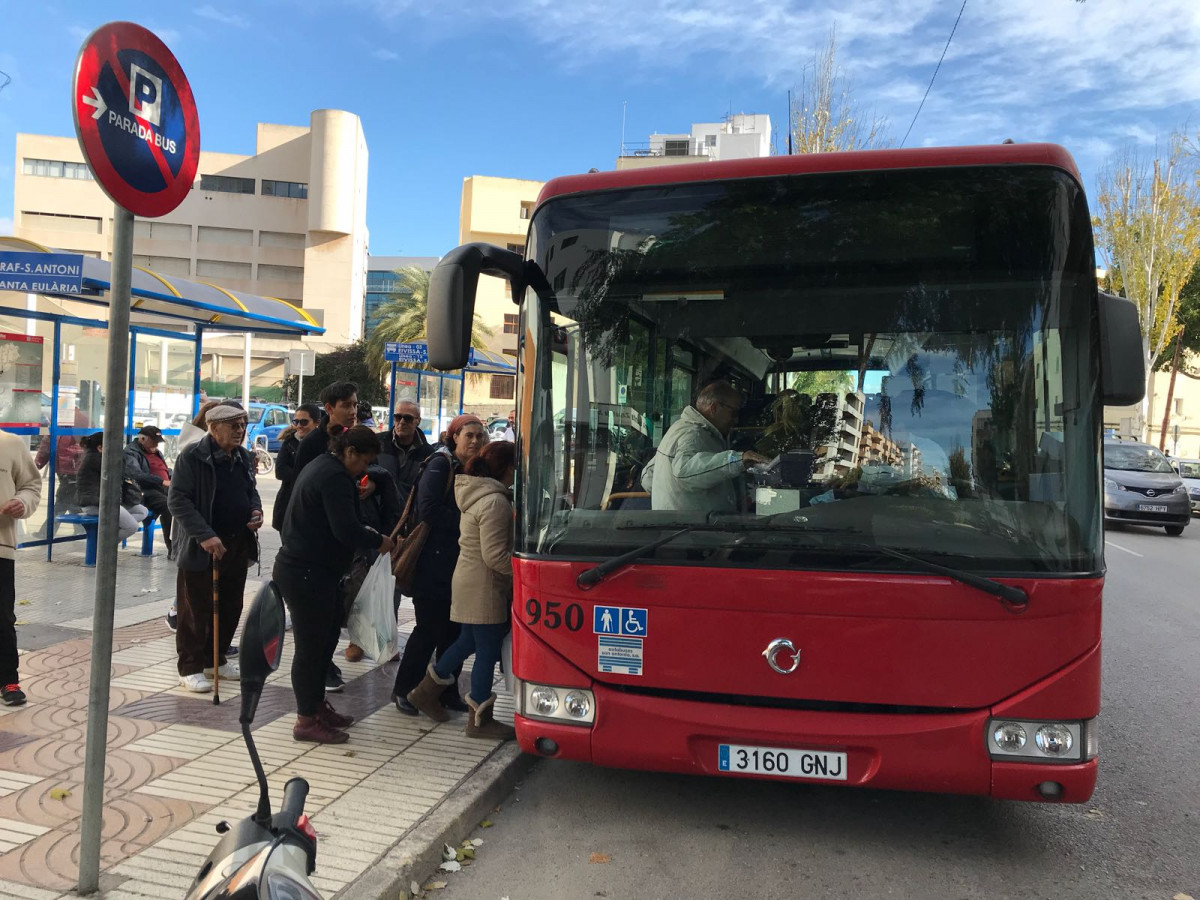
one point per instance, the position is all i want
(91, 528)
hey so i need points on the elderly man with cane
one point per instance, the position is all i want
(217, 511)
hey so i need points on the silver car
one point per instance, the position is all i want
(1141, 488)
(1189, 471)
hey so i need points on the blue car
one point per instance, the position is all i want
(267, 419)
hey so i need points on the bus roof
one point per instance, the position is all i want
(853, 161)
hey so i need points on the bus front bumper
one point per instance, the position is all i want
(937, 752)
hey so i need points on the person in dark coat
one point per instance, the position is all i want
(218, 513)
(405, 447)
(463, 441)
(304, 420)
(132, 512)
(321, 532)
(153, 475)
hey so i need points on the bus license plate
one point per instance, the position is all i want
(785, 763)
(1151, 507)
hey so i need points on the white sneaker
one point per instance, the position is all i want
(229, 671)
(287, 620)
(196, 683)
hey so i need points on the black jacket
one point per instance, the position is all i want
(314, 446)
(88, 484)
(138, 466)
(324, 527)
(192, 494)
(436, 505)
(285, 471)
(404, 463)
(382, 509)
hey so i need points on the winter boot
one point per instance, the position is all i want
(425, 695)
(313, 730)
(480, 723)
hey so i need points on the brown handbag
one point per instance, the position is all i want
(409, 537)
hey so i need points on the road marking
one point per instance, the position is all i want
(1126, 549)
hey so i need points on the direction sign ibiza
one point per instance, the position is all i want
(136, 119)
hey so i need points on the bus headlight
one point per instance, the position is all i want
(576, 706)
(1052, 741)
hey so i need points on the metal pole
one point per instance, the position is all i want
(392, 399)
(246, 374)
(112, 463)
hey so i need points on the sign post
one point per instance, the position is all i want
(136, 122)
(301, 363)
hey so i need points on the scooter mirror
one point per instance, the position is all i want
(262, 646)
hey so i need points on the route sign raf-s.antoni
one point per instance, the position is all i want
(136, 119)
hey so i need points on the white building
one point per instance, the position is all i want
(740, 136)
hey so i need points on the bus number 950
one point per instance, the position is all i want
(552, 615)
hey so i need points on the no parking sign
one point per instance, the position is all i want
(136, 119)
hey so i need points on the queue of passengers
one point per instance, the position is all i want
(341, 495)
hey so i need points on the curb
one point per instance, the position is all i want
(418, 854)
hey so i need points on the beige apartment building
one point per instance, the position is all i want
(496, 211)
(288, 222)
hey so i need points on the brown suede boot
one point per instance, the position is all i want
(313, 730)
(480, 723)
(425, 696)
(331, 718)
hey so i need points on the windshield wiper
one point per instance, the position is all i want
(593, 576)
(1015, 600)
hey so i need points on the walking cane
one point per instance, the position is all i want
(216, 630)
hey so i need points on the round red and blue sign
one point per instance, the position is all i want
(136, 119)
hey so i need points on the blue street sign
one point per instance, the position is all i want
(406, 353)
(41, 273)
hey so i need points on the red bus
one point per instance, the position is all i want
(887, 570)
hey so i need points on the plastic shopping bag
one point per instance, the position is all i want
(372, 621)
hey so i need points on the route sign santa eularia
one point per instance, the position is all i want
(136, 119)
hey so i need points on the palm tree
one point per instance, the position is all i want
(402, 319)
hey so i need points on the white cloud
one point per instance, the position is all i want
(224, 18)
(384, 54)
(6, 225)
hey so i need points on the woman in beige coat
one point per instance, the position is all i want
(481, 592)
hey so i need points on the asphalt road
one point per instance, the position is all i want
(682, 837)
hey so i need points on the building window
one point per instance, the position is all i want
(280, 273)
(217, 268)
(517, 248)
(285, 239)
(61, 222)
(560, 280)
(54, 168)
(226, 184)
(675, 148)
(526, 210)
(569, 241)
(297, 190)
(152, 229)
(710, 140)
(503, 387)
(208, 234)
(510, 323)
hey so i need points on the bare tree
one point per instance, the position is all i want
(1148, 233)
(825, 117)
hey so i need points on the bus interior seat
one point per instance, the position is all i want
(625, 500)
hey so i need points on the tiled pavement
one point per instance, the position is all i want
(176, 764)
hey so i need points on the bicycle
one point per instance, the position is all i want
(264, 462)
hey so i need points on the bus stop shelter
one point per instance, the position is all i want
(57, 397)
(440, 395)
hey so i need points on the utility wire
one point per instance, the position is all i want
(7, 80)
(935, 72)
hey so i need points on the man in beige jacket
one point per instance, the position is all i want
(20, 491)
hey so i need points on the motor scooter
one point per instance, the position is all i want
(264, 856)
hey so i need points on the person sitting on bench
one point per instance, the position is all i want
(132, 511)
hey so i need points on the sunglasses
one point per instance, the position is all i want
(301, 421)
(405, 417)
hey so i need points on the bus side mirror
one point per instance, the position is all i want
(450, 309)
(1122, 363)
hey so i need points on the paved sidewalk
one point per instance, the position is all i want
(177, 764)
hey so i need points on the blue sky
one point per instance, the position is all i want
(534, 88)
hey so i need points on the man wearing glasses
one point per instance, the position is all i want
(304, 420)
(694, 469)
(405, 448)
(217, 509)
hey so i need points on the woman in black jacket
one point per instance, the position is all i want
(304, 419)
(132, 512)
(462, 442)
(322, 531)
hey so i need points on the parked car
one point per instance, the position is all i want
(1189, 472)
(1141, 488)
(267, 419)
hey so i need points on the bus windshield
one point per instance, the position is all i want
(908, 360)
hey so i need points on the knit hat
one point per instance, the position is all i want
(461, 422)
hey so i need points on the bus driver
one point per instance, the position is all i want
(694, 469)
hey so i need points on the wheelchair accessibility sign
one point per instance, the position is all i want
(620, 621)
